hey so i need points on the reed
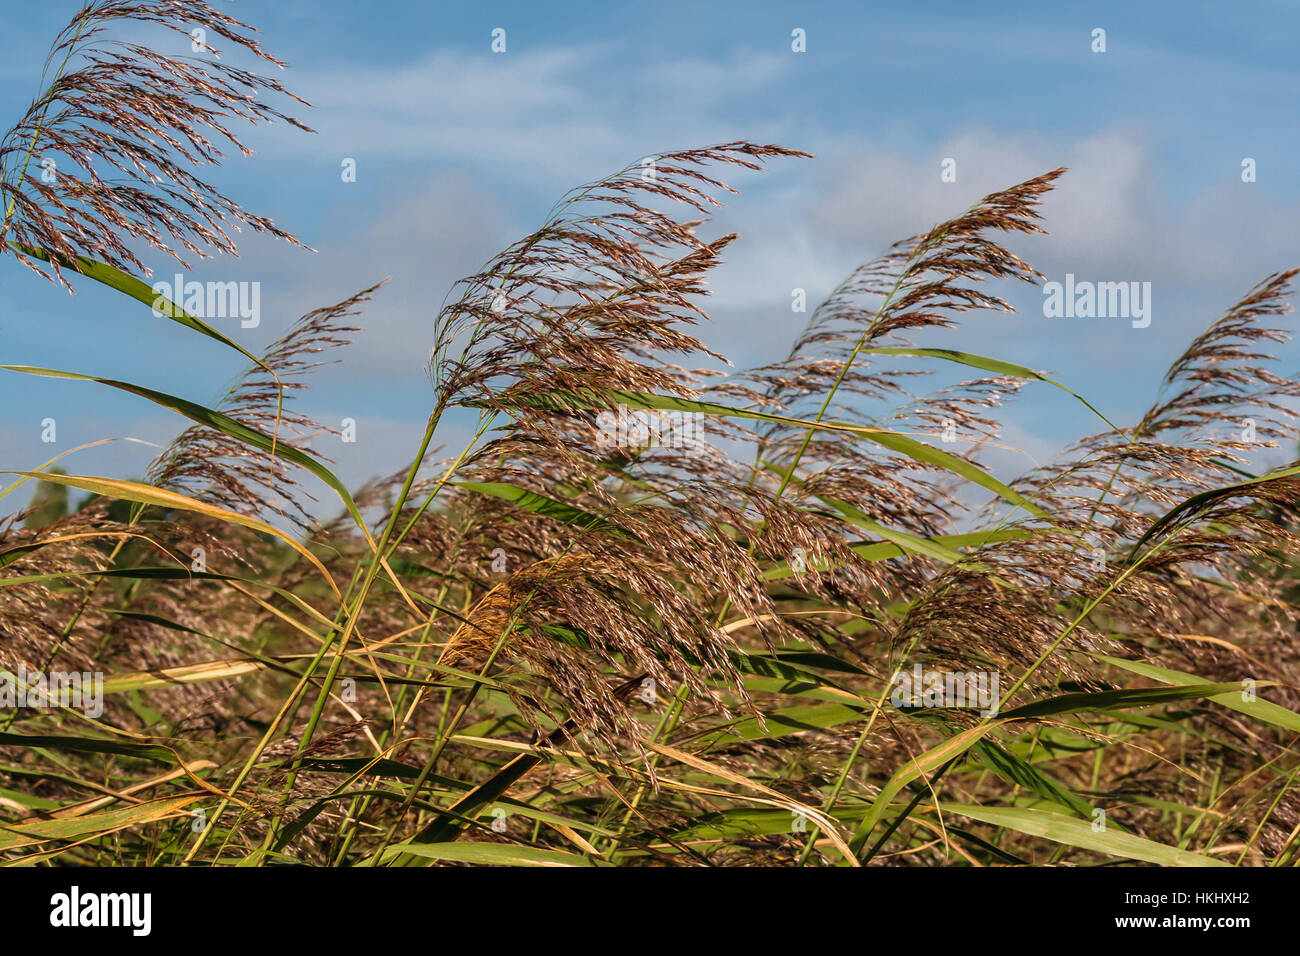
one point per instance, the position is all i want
(590, 638)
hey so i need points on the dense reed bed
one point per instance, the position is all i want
(649, 615)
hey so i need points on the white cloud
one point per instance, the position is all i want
(1109, 214)
(544, 116)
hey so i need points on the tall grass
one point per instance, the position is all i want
(575, 643)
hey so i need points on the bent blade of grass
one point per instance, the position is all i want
(763, 665)
(176, 574)
(1010, 767)
(783, 723)
(137, 289)
(547, 507)
(823, 822)
(928, 454)
(957, 745)
(1263, 710)
(201, 673)
(911, 543)
(9, 555)
(91, 825)
(989, 365)
(887, 550)
(485, 854)
(1119, 699)
(745, 823)
(1059, 828)
(90, 745)
(1207, 499)
(162, 498)
(800, 689)
(926, 763)
(90, 444)
(217, 421)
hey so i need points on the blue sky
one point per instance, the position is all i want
(460, 150)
